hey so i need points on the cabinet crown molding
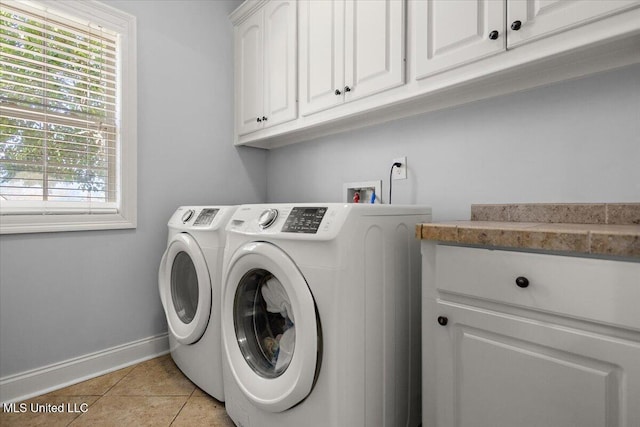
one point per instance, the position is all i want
(246, 9)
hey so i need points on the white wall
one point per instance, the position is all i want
(575, 141)
(63, 295)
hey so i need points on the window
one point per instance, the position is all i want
(67, 117)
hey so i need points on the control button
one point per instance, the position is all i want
(267, 218)
(187, 215)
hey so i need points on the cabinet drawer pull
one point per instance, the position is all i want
(442, 321)
(264, 118)
(522, 282)
(347, 89)
(515, 26)
(493, 35)
(337, 92)
(258, 120)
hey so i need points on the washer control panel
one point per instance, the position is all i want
(304, 220)
(206, 217)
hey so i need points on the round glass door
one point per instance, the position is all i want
(185, 289)
(264, 323)
(270, 328)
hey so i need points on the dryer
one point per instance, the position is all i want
(321, 315)
(189, 281)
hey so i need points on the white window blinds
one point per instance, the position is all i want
(58, 114)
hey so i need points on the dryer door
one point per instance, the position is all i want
(270, 327)
(185, 289)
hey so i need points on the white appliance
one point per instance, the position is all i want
(321, 315)
(189, 280)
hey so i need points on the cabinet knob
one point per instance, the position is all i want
(347, 89)
(493, 35)
(442, 321)
(264, 119)
(522, 282)
(515, 25)
(258, 120)
(337, 92)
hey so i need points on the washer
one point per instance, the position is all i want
(189, 280)
(321, 315)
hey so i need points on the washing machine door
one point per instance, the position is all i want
(270, 327)
(185, 289)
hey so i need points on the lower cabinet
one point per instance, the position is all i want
(491, 362)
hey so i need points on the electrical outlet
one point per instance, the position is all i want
(400, 172)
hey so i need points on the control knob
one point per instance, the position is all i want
(267, 218)
(187, 215)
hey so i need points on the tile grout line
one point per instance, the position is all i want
(79, 415)
(105, 393)
(121, 379)
(182, 407)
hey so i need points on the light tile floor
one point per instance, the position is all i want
(152, 393)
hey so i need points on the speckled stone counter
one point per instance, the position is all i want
(600, 229)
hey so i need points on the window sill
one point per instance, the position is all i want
(15, 224)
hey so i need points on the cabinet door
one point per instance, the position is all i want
(280, 23)
(250, 73)
(539, 18)
(374, 46)
(450, 33)
(489, 369)
(321, 54)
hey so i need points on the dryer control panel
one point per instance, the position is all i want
(304, 220)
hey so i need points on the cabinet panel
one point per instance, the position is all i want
(497, 370)
(321, 54)
(280, 23)
(602, 290)
(374, 46)
(450, 33)
(540, 18)
(249, 64)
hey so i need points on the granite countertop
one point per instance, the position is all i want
(601, 229)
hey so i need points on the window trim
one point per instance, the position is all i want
(126, 216)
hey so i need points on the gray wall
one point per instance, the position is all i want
(575, 141)
(63, 295)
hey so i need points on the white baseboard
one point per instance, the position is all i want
(17, 387)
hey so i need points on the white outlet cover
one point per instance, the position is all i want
(401, 171)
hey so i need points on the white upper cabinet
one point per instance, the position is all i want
(532, 19)
(348, 50)
(321, 54)
(450, 33)
(249, 74)
(266, 81)
(308, 68)
(374, 46)
(280, 62)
